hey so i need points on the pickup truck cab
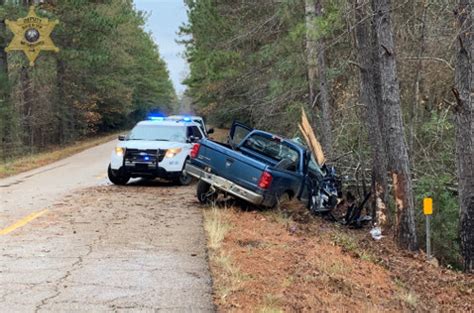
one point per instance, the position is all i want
(154, 148)
(256, 166)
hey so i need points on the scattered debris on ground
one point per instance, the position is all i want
(291, 261)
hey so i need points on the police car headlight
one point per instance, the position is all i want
(119, 151)
(171, 153)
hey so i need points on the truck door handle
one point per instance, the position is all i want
(229, 162)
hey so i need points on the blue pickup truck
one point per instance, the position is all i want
(260, 168)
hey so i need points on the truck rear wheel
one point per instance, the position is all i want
(204, 193)
(117, 177)
(282, 201)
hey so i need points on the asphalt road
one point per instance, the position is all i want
(72, 242)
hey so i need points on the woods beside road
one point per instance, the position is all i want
(108, 75)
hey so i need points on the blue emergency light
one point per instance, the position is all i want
(156, 117)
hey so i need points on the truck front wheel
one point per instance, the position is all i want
(117, 177)
(204, 193)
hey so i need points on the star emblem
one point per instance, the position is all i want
(32, 35)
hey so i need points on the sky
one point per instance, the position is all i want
(164, 22)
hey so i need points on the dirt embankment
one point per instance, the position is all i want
(292, 262)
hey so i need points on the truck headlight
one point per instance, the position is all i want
(119, 151)
(171, 153)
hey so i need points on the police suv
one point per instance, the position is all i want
(155, 148)
(196, 119)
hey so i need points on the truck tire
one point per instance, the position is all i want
(117, 177)
(282, 201)
(203, 192)
(184, 180)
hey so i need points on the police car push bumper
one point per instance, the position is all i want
(224, 184)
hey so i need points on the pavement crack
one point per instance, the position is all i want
(77, 265)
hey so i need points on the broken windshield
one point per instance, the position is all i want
(273, 148)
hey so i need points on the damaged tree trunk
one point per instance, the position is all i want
(369, 98)
(464, 123)
(399, 164)
(317, 70)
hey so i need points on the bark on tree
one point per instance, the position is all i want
(5, 131)
(27, 96)
(3, 45)
(311, 52)
(317, 73)
(368, 96)
(399, 164)
(464, 123)
(418, 81)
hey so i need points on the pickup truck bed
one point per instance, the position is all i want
(217, 164)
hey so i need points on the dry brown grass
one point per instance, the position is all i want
(227, 276)
(33, 161)
(216, 226)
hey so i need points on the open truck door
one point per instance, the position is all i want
(237, 133)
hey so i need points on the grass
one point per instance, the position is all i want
(350, 244)
(227, 276)
(345, 241)
(230, 278)
(216, 227)
(271, 304)
(33, 161)
(406, 295)
(409, 298)
(279, 217)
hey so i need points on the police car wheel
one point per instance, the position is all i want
(184, 179)
(117, 178)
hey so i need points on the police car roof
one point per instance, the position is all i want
(166, 123)
(184, 116)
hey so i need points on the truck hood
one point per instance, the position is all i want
(144, 145)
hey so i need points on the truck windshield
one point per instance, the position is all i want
(272, 148)
(158, 133)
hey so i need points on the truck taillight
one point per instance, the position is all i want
(265, 180)
(195, 150)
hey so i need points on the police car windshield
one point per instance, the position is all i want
(158, 133)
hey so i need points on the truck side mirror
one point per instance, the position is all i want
(210, 131)
(121, 137)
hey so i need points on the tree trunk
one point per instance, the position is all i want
(311, 52)
(6, 111)
(418, 80)
(65, 111)
(369, 97)
(317, 69)
(324, 87)
(463, 113)
(27, 97)
(394, 130)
